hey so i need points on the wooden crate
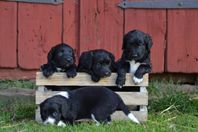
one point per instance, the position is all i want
(132, 99)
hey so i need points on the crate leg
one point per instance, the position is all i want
(38, 115)
(37, 112)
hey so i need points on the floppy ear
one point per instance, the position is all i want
(148, 41)
(126, 37)
(73, 55)
(67, 110)
(64, 109)
(112, 62)
(86, 60)
(50, 54)
(124, 41)
(112, 57)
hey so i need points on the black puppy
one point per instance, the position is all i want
(60, 58)
(98, 63)
(66, 107)
(135, 57)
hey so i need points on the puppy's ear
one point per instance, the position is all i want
(124, 41)
(64, 109)
(51, 54)
(86, 60)
(67, 111)
(73, 54)
(112, 62)
(127, 38)
(148, 41)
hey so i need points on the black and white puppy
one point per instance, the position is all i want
(66, 107)
(60, 58)
(135, 57)
(98, 63)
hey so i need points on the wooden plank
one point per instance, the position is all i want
(101, 26)
(8, 34)
(182, 55)
(154, 23)
(118, 115)
(71, 23)
(129, 98)
(83, 79)
(40, 27)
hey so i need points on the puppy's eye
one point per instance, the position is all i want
(98, 64)
(55, 114)
(60, 53)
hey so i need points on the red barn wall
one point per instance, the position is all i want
(28, 31)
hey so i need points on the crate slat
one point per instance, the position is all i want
(83, 79)
(129, 98)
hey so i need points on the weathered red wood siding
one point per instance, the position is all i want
(28, 31)
(71, 27)
(40, 27)
(101, 25)
(182, 46)
(8, 34)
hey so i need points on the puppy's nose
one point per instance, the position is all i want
(135, 55)
(68, 59)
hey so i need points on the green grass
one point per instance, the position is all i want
(17, 84)
(169, 110)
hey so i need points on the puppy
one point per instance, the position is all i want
(60, 58)
(66, 107)
(98, 63)
(135, 57)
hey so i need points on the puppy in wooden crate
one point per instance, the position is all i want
(135, 57)
(98, 63)
(60, 58)
(96, 103)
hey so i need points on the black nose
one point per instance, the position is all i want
(135, 55)
(69, 59)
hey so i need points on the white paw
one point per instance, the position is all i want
(137, 80)
(61, 124)
(119, 86)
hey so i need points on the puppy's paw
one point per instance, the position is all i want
(47, 70)
(120, 83)
(95, 78)
(61, 124)
(137, 80)
(71, 74)
(119, 86)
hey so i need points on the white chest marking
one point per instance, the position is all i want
(133, 66)
(59, 69)
(49, 120)
(64, 94)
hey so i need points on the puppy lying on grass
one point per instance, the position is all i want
(96, 103)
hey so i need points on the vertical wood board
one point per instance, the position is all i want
(8, 34)
(40, 27)
(182, 55)
(101, 26)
